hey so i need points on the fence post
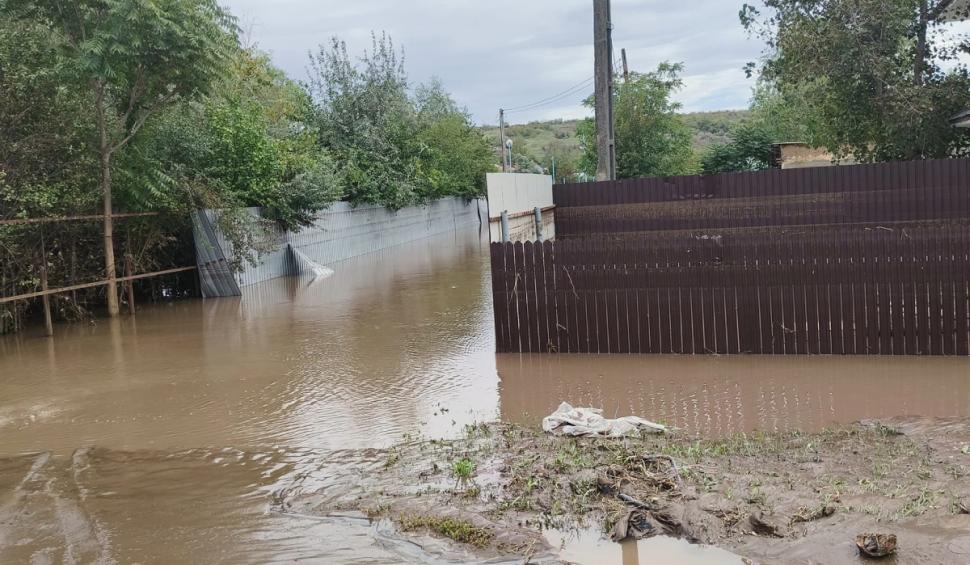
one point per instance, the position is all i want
(505, 226)
(46, 299)
(129, 284)
(538, 213)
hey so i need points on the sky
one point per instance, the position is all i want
(493, 54)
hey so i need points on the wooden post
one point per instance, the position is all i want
(129, 284)
(501, 141)
(46, 299)
(603, 51)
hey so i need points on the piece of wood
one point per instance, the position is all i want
(71, 288)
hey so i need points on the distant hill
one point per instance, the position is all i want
(713, 127)
(540, 140)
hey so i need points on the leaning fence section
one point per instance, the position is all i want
(868, 260)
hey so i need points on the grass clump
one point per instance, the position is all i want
(461, 531)
(463, 469)
(922, 502)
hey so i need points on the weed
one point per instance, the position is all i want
(532, 484)
(377, 511)
(473, 431)
(392, 459)
(460, 531)
(519, 503)
(924, 501)
(868, 485)
(887, 431)
(756, 497)
(569, 457)
(463, 469)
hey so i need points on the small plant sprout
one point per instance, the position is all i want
(463, 469)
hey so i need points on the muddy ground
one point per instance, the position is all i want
(771, 498)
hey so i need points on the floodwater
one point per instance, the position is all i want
(716, 396)
(167, 437)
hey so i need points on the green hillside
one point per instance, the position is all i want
(540, 141)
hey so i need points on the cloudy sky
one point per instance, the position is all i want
(509, 53)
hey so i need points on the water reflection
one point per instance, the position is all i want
(352, 361)
(589, 547)
(721, 395)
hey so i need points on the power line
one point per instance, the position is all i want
(555, 98)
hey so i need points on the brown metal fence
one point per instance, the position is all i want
(845, 267)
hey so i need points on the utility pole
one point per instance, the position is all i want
(603, 49)
(626, 69)
(501, 127)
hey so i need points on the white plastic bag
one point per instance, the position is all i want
(570, 421)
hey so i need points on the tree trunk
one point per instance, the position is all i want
(109, 246)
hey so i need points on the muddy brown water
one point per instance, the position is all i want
(165, 438)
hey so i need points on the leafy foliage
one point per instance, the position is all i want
(749, 149)
(875, 80)
(153, 105)
(711, 128)
(46, 160)
(391, 148)
(540, 142)
(651, 137)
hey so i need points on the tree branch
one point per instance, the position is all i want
(135, 94)
(145, 114)
(67, 30)
(99, 110)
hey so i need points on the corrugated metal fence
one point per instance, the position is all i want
(868, 259)
(340, 232)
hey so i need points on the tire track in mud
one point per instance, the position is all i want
(44, 521)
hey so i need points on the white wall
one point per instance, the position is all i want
(517, 193)
(520, 194)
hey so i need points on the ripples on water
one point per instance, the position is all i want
(353, 361)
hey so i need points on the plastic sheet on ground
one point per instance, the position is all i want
(585, 422)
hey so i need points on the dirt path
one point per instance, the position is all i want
(771, 498)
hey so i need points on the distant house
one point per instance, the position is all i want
(797, 155)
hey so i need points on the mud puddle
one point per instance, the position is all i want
(589, 547)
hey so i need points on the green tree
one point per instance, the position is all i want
(366, 120)
(749, 149)
(869, 74)
(136, 57)
(247, 143)
(651, 138)
(46, 164)
(455, 155)
(392, 148)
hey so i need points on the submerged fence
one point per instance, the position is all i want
(340, 232)
(866, 259)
